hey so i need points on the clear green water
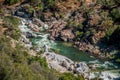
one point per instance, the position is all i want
(65, 49)
(69, 51)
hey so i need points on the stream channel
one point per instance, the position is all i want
(66, 49)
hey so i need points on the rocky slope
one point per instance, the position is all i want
(88, 24)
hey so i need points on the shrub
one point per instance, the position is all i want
(35, 2)
(114, 38)
(12, 24)
(49, 3)
(115, 13)
(42, 61)
(40, 7)
(14, 64)
(10, 2)
(69, 76)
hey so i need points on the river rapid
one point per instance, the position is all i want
(104, 69)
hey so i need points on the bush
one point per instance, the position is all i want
(10, 20)
(114, 38)
(12, 24)
(35, 2)
(10, 2)
(69, 76)
(50, 3)
(15, 63)
(115, 13)
(42, 61)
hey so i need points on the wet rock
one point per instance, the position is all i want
(94, 66)
(106, 76)
(46, 48)
(81, 67)
(22, 11)
(21, 14)
(30, 35)
(92, 76)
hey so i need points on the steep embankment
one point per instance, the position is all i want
(15, 61)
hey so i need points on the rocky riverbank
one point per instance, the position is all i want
(63, 64)
(31, 28)
(89, 25)
(55, 61)
(69, 28)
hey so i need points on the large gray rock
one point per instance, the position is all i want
(64, 64)
(30, 34)
(81, 68)
(58, 62)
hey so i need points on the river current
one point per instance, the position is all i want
(66, 49)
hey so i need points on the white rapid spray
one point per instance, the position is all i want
(41, 38)
(23, 27)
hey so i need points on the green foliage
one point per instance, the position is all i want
(35, 2)
(15, 63)
(69, 76)
(115, 13)
(12, 24)
(10, 2)
(1, 10)
(42, 61)
(40, 4)
(107, 3)
(115, 36)
(40, 7)
(109, 32)
(10, 20)
(49, 3)
(79, 33)
(30, 9)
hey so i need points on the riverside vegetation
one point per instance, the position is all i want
(15, 60)
(93, 23)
